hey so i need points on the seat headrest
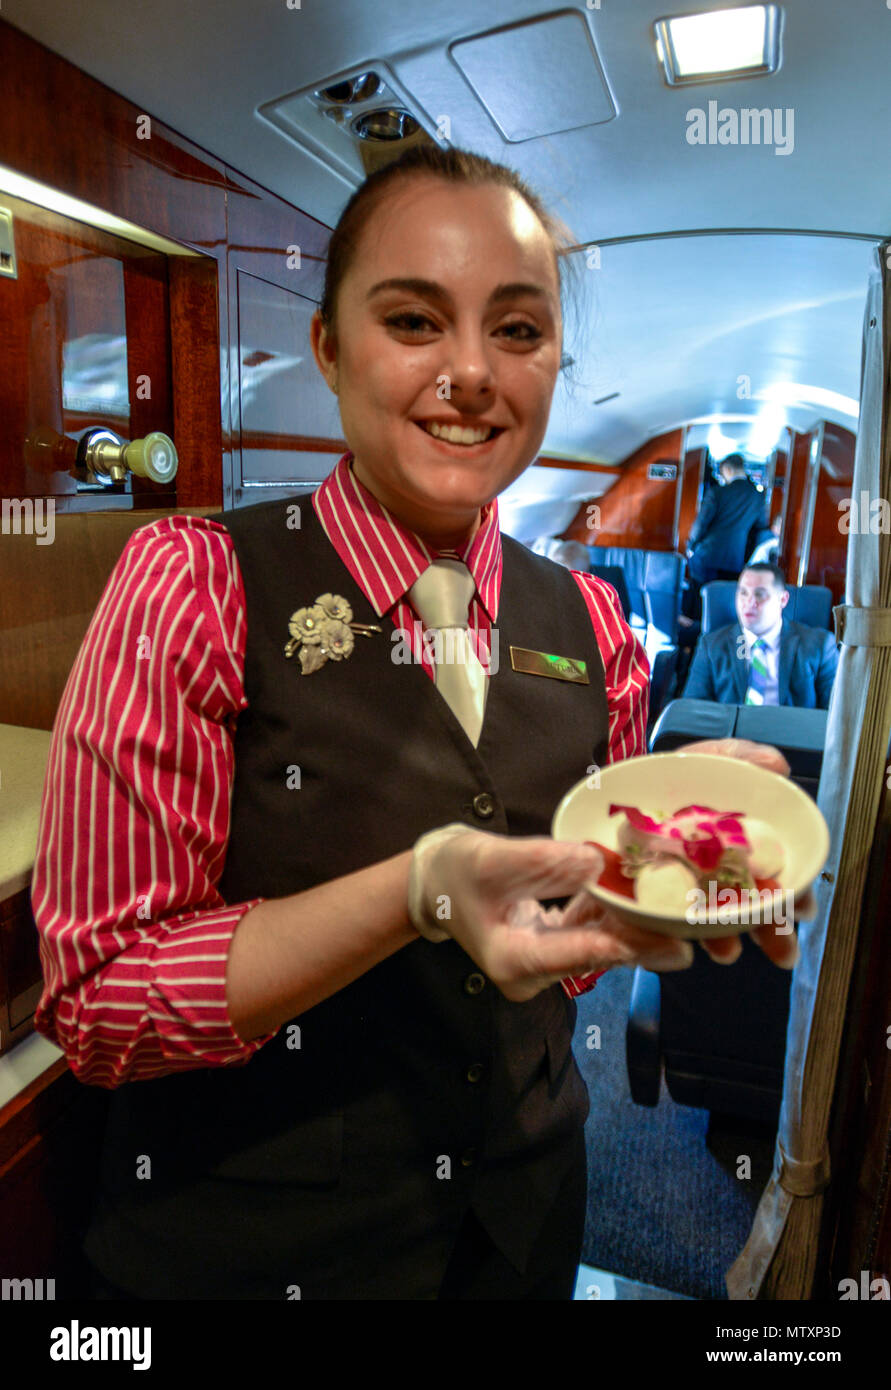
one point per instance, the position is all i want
(810, 604)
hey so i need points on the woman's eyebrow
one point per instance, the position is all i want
(430, 289)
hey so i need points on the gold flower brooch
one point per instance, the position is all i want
(324, 630)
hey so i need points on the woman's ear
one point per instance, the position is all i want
(324, 350)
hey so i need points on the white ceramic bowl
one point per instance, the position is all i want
(661, 784)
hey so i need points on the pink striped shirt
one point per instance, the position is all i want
(134, 936)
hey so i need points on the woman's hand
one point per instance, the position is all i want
(780, 946)
(483, 889)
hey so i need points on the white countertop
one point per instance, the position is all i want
(23, 758)
(24, 1063)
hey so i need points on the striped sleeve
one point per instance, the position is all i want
(627, 694)
(626, 667)
(134, 936)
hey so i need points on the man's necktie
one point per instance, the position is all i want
(758, 673)
(441, 596)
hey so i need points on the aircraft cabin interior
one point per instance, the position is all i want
(172, 391)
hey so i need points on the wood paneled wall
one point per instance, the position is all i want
(829, 544)
(693, 464)
(636, 511)
(47, 599)
(105, 153)
(796, 490)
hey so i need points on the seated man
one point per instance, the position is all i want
(762, 660)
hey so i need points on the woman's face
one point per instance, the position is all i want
(448, 316)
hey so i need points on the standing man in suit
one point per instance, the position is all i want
(718, 543)
(762, 659)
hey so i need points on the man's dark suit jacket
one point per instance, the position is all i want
(808, 662)
(720, 532)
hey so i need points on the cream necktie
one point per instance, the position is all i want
(441, 596)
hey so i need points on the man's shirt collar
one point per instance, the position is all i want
(771, 637)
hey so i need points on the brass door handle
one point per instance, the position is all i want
(103, 454)
(153, 457)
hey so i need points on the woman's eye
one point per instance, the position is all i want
(409, 322)
(520, 331)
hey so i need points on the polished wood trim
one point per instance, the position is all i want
(147, 310)
(636, 511)
(48, 600)
(163, 183)
(297, 443)
(50, 1139)
(200, 396)
(576, 466)
(19, 1115)
(261, 230)
(174, 188)
(690, 480)
(827, 561)
(796, 491)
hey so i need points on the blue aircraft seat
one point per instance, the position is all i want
(719, 1033)
(654, 579)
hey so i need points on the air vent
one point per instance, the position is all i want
(387, 125)
(360, 88)
(354, 122)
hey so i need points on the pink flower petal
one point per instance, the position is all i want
(700, 834)
(705, 854)
(637, 819)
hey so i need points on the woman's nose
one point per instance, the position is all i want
(467, 363)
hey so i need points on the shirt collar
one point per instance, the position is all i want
(384, 557)
(771, 638)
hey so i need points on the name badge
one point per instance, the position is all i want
(559, 668)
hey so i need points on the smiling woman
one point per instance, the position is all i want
(300, 930)
(441, 328)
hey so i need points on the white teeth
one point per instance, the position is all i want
(456, 434)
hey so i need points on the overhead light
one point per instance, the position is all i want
(766, 431)
(794, 393)
(720, 444)
(31, 191)
(718, 45)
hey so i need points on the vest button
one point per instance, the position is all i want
(468, 1158)
(484, 805)
(475, 1071)
(474, 983)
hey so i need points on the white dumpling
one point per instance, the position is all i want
(665, 887)
(766, 858)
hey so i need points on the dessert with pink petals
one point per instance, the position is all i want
(660, 861)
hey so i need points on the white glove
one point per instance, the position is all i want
(483, 890)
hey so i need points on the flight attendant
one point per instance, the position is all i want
(294, 865)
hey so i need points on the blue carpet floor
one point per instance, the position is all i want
(665, 1206)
